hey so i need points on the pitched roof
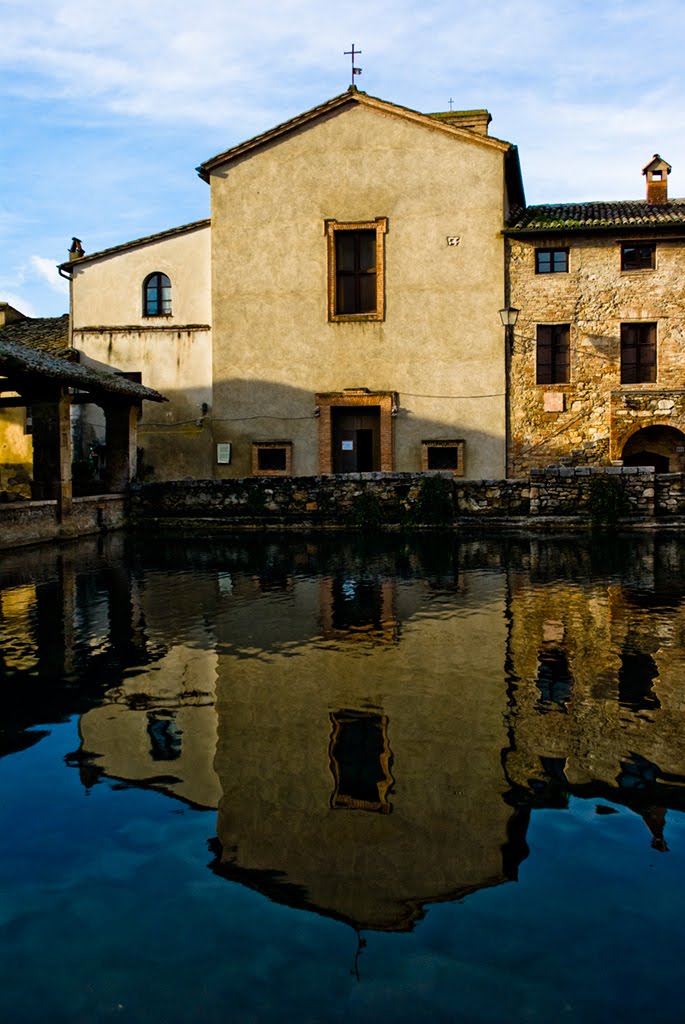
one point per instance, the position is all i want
(597, 216)
(23, 361)
(47, 333)
(352, 97)
(145, 240)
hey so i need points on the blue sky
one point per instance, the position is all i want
(107, 108)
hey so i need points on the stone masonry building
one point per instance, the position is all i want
(597, 356)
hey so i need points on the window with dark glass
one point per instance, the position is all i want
(444, 455)
(638, 255)
(355, 271)
(361, 761)
(157, 295)
(638, 353)
(551, 261)
(552, 355)
(272, 457)
(356, 254)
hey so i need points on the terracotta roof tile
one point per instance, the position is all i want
(47, 334)
(597, 216)
(26, 361)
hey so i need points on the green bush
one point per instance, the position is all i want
(434, 505)
(607, 500)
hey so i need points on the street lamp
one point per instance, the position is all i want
(509, 315)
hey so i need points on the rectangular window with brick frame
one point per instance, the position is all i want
(356, 270)
(272, 458)
(552, 359)
(638, 353)
(444, 455)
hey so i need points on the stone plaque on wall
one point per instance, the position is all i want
(553, 401)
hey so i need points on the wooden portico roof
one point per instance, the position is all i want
(21, 363)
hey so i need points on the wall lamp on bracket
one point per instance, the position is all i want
(509, 315)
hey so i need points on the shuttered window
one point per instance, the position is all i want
(356, 261)
(638, 353)
(552, 359)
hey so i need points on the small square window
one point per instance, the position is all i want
(638, 255)
(551, 261)
(272, 458)
(356, 269)
(443, 455)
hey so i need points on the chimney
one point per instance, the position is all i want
(657, 171)
(471, 120)
(76, 249)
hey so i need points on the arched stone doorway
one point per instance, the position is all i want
(659, 446)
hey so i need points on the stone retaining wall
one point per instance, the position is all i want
(376, 499)
(36, 522)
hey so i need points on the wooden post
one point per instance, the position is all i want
(52, 452)
(121, 420)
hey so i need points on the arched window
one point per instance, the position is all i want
(156, 295)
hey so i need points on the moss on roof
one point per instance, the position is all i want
(597, 216)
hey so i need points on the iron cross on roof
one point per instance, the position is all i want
(353, 53)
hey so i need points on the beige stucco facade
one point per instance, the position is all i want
(172, 353)
(439, 344)
(277, 363)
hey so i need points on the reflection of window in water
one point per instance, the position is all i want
(636, 680)
(554, 680)
(361, 761)
(165, 735)
(357, 603)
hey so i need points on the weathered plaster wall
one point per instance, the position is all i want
(172, 353)
(440, 345)
(109, 291)
(16, 455)
(594, 297)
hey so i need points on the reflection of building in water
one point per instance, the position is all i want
(598, 705)
(354, 605)
(159, 728)
(360, 761)
(364, 780)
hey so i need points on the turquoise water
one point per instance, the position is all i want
(325, 781)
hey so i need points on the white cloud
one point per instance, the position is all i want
(242, 62)
(47, 270)
(19, 302)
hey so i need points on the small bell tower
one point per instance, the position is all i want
(657, 171)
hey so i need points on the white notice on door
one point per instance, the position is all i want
(347, 446)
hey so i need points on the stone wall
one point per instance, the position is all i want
(406, 499)
(36, 522)
(588, 420)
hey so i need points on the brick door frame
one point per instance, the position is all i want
(387, 401)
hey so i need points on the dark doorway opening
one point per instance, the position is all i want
(658, 446)
(356, 438)
(659, 462)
